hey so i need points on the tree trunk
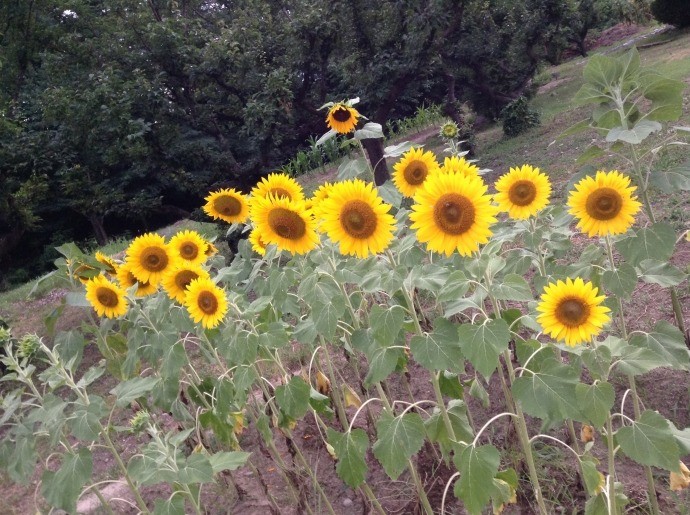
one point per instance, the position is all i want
(374, 148)
(98, 228)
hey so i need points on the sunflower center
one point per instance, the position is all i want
(416, 173)
(572, 312)
(107, 297)
(604, 204)
(287, 224)
(154, 259)
(279, 193)
(189, 250)
(522, 193)
(341, 114)
(184, 277)
(358, 219)
(227, 205)
(207, 302)
(454, 213)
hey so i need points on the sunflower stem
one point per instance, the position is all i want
(370, 177)
(611, 480)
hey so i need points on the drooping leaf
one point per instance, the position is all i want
(196, 469)
(350, 449)
(650, 441)
(398, 439)
(666, 341)
(61, 488)
(477, 467)
(482, 344)
(662, 273)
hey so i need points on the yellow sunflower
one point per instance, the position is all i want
(285, 223)
(604, 204)
(522, 192)
(109, 263)
(228, 205)
(126, 279)
(412, 170)
(571, 311)
(211, 249)
(342, 118)
(320, 194)
(190, 246)
(176, 280)
(150, 257)
(453, 212)
(356, 218)
(460, 166)
(278, 185)
(258, 244)
(205, 302)
(107, 298)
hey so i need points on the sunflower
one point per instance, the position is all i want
(522, 192)
(205, 302)
(571, 311)
(604, 204)
(107, 299)
(342, 118)
(176, 280)
(285, 223)
(190, 246)
(258, 244)
(460, 166)
(278, 185)
(109, 263)
(126, 279)
(211, 249)
(149, 257)
(412, 170)
(320, 194)
(453, 212)
(228, 205)
(449, 130)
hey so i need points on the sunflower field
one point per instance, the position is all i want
(431, 333)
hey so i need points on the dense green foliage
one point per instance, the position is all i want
(518, 116)
(674, 12)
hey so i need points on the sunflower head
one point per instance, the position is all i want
(604, 204)
(190, 246)
(107, 298)
(279, 185)
(126, 279)
(149, 257)
(228, 205)
(460, 166)
(413, 169)
(258, 244)
(176, 280)
(449, 130)
(342, 118)
(356, 218)
(571, 311)
(109, 263)
(285, 223)
(206, 302)
(211, 249)
(453, 212)
(523, 192)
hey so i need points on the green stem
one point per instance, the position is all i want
(123, 468)
(104, 502)
(342, 415)
(573, 436)
(611, 467)
(372, 498)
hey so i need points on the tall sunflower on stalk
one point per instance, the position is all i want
(206, 302)
(342, 117)
(413, 169)
(149, 257)
(604, 204)
(228, 205)
(126, 279)
(107, 298)
(285, 223)
(453, 212)
(522, 192)
(177, 279)
(190, 246)
(279, 185)
(571, 311)
(356, 218)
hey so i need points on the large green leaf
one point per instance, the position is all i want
(350, 449)
(654, 242)
(436, 427)
(326, 316)
(70, 347)
(662, 273)
(455, 287)
(398, 439)
(439, 350)
(293, 397)
(86, 420)
(482, 344)
(650, 441)
(381, 363)
(386, 323)
(595, 401)
(228, 460)
(131, 390)
(620, 282)
(62, 488)
(477, 467)
(666, 341)
(196, 469)
(513, 287)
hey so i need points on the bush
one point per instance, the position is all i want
(673, 12)
(518, 117)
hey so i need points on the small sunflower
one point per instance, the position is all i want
(449, 130)
(342, 118)
(206, 302)
(523, 192)
(604, 204)
(320, 194)
(126, 279)
(356, 218)
(109, 263)
(460, 166)
(285, 223)
(279, 185)
(150, 257)
(412, 170)
(453, 212)
(107, 298)
(258, 244)
(190, 246)
(228, 205)
(211, 249)
(176, 280)
(571, 311)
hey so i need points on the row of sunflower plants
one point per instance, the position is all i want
(464, 282)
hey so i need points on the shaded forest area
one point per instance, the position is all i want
(118, 116)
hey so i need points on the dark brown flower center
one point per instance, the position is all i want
(189, 250)
(572, 312)
(227, 205)
(154, 259)
(287, 224)
(107, 297)
(604, 204)
(415, 173)
(358, 219)
(454, 214)
(207, 302)
(341, 114)
(522, 193)
(184, 277)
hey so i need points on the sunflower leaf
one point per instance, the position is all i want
(482, 344)
(477, 467)
(657, 241)
(662, 273)
(399, 438)
(650, 441)
(370, 130)
(350, 449)
(595, 401)
(440, 349)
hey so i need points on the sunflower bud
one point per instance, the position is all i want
(449, 130)
(139, 421)
(5, 334)
(28, 345)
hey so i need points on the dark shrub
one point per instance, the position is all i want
(518, 117)
(673, 12)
